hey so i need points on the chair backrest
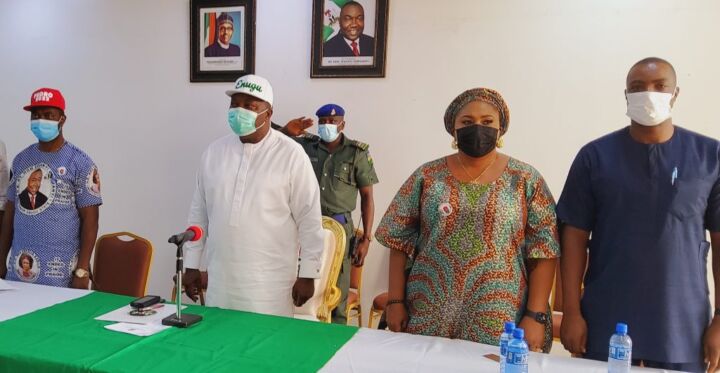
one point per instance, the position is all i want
(327, 294)
(122, 266)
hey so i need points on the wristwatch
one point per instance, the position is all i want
(540, 317)
(81, 273)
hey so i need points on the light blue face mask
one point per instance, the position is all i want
(242, 121)
(45, 130)
(328, 132)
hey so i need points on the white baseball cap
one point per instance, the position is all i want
(253, 85)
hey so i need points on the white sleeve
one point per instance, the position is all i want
(4, 176)
(305, 208)
(197, 216)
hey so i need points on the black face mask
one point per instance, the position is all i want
(477, 140)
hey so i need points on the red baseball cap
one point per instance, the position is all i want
(45, 97)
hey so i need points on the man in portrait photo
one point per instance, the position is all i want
(350, 40)
(221, 46)
(31, 198)
(95, 181)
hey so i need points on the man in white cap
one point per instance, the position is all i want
(259, 202)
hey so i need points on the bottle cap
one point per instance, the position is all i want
(509, 327)
(518, 333)
(621, 328)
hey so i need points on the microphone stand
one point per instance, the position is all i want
(179, 319)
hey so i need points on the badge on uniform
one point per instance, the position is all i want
(445, 209)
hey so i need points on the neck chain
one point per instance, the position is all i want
(474, 180)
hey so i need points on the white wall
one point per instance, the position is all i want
(123, 67)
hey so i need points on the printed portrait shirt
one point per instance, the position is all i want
(47, 189)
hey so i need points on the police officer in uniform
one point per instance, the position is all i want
(343, 168)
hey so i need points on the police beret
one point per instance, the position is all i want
(330, 110)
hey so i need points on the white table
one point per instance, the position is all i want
(28, 298)
(369, 350)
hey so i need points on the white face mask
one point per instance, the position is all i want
(328, 132)
(649, 108)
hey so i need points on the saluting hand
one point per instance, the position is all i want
(711, 345)
(297, 126)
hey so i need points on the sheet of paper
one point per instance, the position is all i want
(142, 330)
(123, 315)
(5, 285)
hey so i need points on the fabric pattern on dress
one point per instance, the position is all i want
(469, 244)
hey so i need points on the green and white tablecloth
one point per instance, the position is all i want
(66, 338)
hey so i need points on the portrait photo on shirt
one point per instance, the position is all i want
(93, 182)
(349, 34)
(222, 39)
(35, 189)
(27, 265)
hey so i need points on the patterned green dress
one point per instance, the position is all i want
(468, 246)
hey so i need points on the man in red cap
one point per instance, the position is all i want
(57, 230)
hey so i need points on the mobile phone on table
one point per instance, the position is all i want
(145, 301)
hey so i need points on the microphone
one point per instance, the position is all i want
(180, 320)
(193, 233)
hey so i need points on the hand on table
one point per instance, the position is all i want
(573, 333)
(534, 333)
(396, 317)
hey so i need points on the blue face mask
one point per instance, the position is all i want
(45, 130)
(242, 121)
(328, 132)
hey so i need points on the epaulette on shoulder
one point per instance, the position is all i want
(360, 145)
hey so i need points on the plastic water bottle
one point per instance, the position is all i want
(517, 354)
(504, 340)
(620, 354)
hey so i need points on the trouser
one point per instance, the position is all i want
(343, 282)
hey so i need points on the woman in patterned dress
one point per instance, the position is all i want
(473, 236)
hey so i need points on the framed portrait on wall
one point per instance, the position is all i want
(222, 39)
(349, 38)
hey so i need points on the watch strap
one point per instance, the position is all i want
(540, 317)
